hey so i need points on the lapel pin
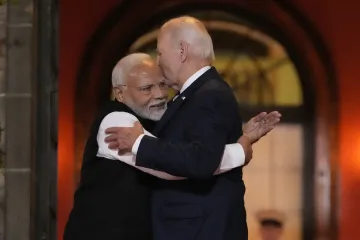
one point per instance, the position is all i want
(183, 98)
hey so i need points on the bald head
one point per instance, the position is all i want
(184, 46)
(138, 83)
(193, 32)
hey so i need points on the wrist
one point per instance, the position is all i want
(245, 139)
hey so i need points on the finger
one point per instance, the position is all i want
(122, 152)
(113, 146)
(271, 115)
(268, 129)
(275, 114)
(137, 124)
(273, 121)
(111, 130)
(270, 125)
(111, 138)
(259, 117)
(272, 118)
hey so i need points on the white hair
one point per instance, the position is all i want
(193, 31)
(125, 65)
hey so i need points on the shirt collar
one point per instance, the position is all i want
(194, 77)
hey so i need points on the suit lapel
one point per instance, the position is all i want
(176, 104)
(172, 99)
(173, 107)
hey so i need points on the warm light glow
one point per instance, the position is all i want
(356, 148)
(65, 164)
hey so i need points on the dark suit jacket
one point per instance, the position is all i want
(192, 136)
(113, 199)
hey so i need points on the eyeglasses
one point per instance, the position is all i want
(148, 88)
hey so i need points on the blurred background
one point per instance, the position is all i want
(296, 57)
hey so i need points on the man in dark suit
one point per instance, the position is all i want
(192, 133)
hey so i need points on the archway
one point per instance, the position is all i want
(277, 20)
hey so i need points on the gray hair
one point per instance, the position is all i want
(124, 66)
(193, 31)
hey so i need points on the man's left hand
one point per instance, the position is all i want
(123, 138)
(260, 125)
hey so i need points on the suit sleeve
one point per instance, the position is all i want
(200, 156)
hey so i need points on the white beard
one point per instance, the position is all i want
(157, 115)
(146, 113)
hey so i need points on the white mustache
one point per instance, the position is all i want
(157, 103)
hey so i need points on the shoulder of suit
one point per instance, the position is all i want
(215, 86)
(216, 92)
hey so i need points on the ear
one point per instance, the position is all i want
(118, 93)
(184, 51)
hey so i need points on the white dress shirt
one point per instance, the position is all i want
(194, 77)
(233, 156)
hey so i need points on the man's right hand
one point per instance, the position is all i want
(245, 142)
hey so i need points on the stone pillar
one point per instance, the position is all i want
(18, 96)
(2, 113)
(45, 167)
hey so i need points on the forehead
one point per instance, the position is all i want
(163, 37)
(146, 73)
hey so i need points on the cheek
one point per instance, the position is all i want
(165, 69)
(142, 101)
(163, 62)
(167, 59)
(138, 98)
(170, 66)
(165, 93)
(175, 62)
